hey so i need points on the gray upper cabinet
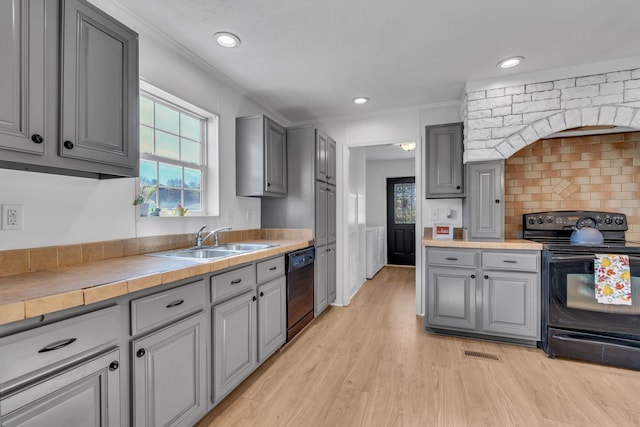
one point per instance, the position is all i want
(261, 157)
(484, 206)
(325, 158)
(445, 172)
(99, 95)
(71, 78)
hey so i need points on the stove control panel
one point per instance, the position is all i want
(567, 220)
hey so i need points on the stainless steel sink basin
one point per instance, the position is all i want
(243, 247)
(212, 252)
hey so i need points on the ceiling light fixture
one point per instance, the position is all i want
(511, 62)
(408, 146)
(360, 100)
(225, 39)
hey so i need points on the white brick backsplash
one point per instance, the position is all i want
(557, 122)
(516, 142)
(513, 120)
(479, 134)
(529, 134)
(494, 93)
(590, 80)
(547, 94)
(538, 87)
(632, 84)
(611, 88)
(590, 116)
(623, 116)
(490, 143)
(533, 106)
(573, 118)
(502, 111)
(631, 95)
(473, 96)
(482, 114)
(618, 76)
(514, 90)
(607, 114)
(635, 121)
(580, 92)
(485, 123)
(533, 117)
(505, 131)
(564, 83)
(608, 99)
(526, 97)
(575, 103)
(488, 104)
(635, 74)
(542, 128)
(505, 150)
(482, 154)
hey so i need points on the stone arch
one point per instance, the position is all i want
(618, 115)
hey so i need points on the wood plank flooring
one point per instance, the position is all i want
(370, 364)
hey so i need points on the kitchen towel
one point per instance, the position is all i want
(613, 279)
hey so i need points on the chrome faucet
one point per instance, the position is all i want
(200, 240)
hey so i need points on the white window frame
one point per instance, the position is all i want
(209, 193)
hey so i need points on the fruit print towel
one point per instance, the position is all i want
(613, 279)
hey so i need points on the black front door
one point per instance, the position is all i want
(401, 220)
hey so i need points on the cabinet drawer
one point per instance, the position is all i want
(449, 257)
(158, 309)
(511, 261)
(33, 353)
(232, 283)
(270, 269)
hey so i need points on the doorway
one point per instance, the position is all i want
(401, 220)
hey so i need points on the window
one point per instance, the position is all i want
(173, 150)
(404, 196)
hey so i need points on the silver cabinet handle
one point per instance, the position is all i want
(175, 303)
(57, 345)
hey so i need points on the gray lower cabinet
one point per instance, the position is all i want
(321, 290)
(331, 273)
(169, 375)
(272, 317)
(483, 208)
(445, 172)
(484, 292)
(234, 343)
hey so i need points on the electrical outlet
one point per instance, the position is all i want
(12, 217)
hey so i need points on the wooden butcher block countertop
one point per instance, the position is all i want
(32, 294)
(513, 244)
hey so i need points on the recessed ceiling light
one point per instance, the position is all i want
(510, 62)
(360, 100)
(225, 39)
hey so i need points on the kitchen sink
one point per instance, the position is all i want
(212, 252)
(243, 247)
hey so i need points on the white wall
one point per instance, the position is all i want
(377, 173)
(62, 210)
(357, 219)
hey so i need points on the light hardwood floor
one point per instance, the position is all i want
(370, 364)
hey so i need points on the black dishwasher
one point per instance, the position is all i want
(300, 289)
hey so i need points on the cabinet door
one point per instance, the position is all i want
(322, 142)
(99, 91)
(23, 29)
(510, 304)
(275, 147)
(234, 343)
(331, 214)
(331, 273)
(485, 201)
(331, 161)
(85, 395)
(452, 298)
(272, 317)
(444, 161)
(169, 368)
(322, 220)
(320, 300)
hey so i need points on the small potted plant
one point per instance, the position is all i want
(144, 198)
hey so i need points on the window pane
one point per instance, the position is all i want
(192, 200)
(148, 172)
(191, 178)
(146, 111)
(146, 140)
(167, 119)
(169, 198)
(190, 127)
(167, 145)
(170, 176)
(190, 151)
(404, 196)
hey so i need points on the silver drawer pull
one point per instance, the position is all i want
(57, 345)
(273, 268)
(175, 303)
(510, 261)
(235, 282)
(451, 259)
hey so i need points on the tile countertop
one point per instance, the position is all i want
(514, 244)
(28, 295)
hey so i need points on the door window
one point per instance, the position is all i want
(404, 196)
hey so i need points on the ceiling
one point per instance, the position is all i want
(307, 59)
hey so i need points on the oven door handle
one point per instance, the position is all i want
(562, 258)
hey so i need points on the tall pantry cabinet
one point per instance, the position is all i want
(310, 203)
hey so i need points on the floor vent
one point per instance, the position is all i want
(481, 355)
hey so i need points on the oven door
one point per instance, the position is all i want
(572, 297)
